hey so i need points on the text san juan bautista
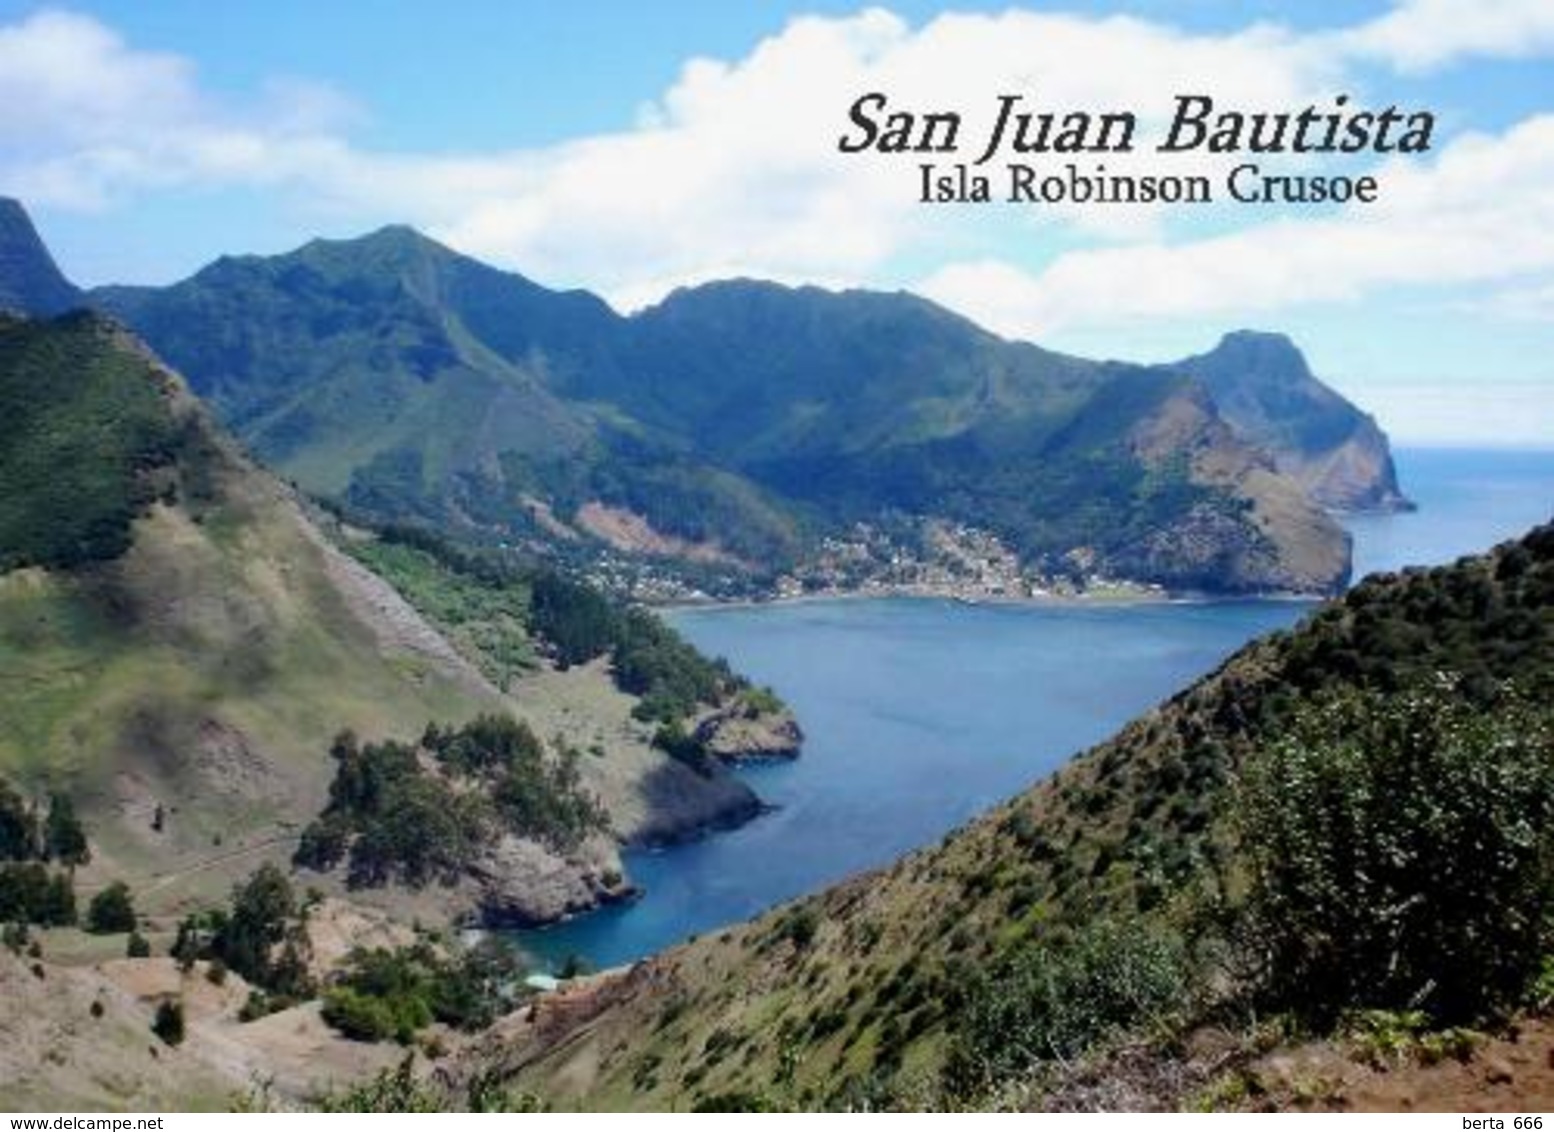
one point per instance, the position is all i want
(1195, 124)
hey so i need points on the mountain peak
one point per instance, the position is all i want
(29, 279)
(1264, 354)
(1266, 390)
(392, 242)
(403, 236)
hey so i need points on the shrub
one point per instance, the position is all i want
(1055, 1000)
(393, 994)
(15, 937)
(137, 947)
(18, 826)
(1399, 850)
(111, 911)
(798, 926)
(169, 1022)
(392, 1090)
(358, 1016)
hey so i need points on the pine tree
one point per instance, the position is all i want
(63, 838)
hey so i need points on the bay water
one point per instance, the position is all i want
(921, 713)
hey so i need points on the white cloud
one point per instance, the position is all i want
(86, 119)
(1422, 34)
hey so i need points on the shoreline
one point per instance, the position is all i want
(1052, 601)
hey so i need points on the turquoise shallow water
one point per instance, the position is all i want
(922, 713)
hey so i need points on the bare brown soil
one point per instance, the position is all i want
(1509, 1073)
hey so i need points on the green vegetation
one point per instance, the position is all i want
(401, 1090)
(169, 1023)
(649, 659)
(536, 795)
(482, 610)
(29, 280)
(64, 839)
(262, 936)
(31, 894)
(263, 939)
(391, 818)
(111, 910)
(1399, 848)
(501, 611)
(1058, 1000)
(18, 826)
(87, 429)
(59, 837)
(383, 994)
(221, 630)
(798, 926)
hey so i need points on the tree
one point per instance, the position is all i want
(169, 1022)
(59, 901)
(112, 910)
(261, 909)
(29, 893)
(64, 840)
(18, 826)
(15, 937)
(264, 938)
(137, 947)
(196, 933)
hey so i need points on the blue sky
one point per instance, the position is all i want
(630, 148)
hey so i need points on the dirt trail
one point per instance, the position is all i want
(207, 863)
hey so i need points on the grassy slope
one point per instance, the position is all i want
(1136, 824)
(205, 668)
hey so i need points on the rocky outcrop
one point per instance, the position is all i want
(738, 732)
(1356, 475)
(522, 883)
(1258, 532)
(1267, 393)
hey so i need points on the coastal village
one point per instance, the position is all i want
(912, 557)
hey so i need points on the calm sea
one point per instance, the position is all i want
(922, 713)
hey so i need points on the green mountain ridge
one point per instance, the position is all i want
(743, 422)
